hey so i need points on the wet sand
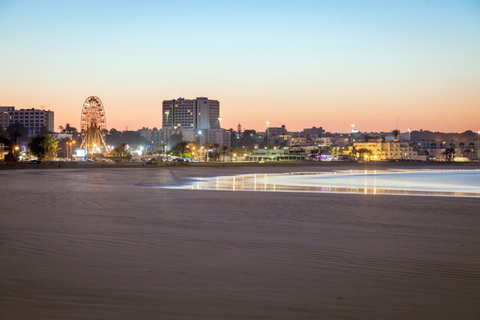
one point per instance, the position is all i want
(96, 243)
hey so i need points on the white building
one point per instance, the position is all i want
(33, 119)
(153, 136)
(463, 149)
(197, 119)
(186, 115)
(387, 150)
(220, 136)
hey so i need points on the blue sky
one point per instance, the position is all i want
(333, 62)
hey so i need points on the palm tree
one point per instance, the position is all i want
(335, 151)
(363, 151)
(216, 146)
(449, 154)
(182, 146)
(208, 146)
(121, 150)
(396, 133)
(325, 149)
(224, 148)
(50, 145)
(353, 153)
(67, 129)
(17, 130)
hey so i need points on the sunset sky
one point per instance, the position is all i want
(298, 63)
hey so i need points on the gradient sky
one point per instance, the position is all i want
(298, 63)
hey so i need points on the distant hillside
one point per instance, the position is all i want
(442, 136)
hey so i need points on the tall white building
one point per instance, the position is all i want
(186, 115)
(33, 119)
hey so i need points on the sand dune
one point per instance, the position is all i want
(103, 244)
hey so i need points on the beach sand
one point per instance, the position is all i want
(105, 244)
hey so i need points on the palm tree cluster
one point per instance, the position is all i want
(121, 151)
(50, 145)
(44, 146)
(67, 129)
(449, 154)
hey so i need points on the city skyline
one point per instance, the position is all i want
(301, 64)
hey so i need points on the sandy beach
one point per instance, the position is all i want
(103, 243)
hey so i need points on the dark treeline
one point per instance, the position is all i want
(132, 138)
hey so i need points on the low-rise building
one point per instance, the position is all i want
(436, 149)
(385, 150)
(297, 141)
(277, 131)
(323, 142)
(153, 136)
(284, 154)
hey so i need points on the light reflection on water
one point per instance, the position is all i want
(452, 183)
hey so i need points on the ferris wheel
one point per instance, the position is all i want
(94, 126)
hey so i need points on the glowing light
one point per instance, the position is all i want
(81, 153)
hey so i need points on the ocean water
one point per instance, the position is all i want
(463, 183)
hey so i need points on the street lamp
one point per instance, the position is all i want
(165, 135)
(409, 130)
(199, 135)
(268, 140)
(71, 149)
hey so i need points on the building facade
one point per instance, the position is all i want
(191, 114)
(196, 119)
(386, 150)
(284, 154)
(153, 136)
(463, 149)
(5, 116)
(33, 119)
(277, 131)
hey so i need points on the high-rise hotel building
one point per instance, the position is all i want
(33, 119)
(190, 115)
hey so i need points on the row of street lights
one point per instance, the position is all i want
(71, 144)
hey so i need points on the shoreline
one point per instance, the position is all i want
(333, 165)
(89, 243)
